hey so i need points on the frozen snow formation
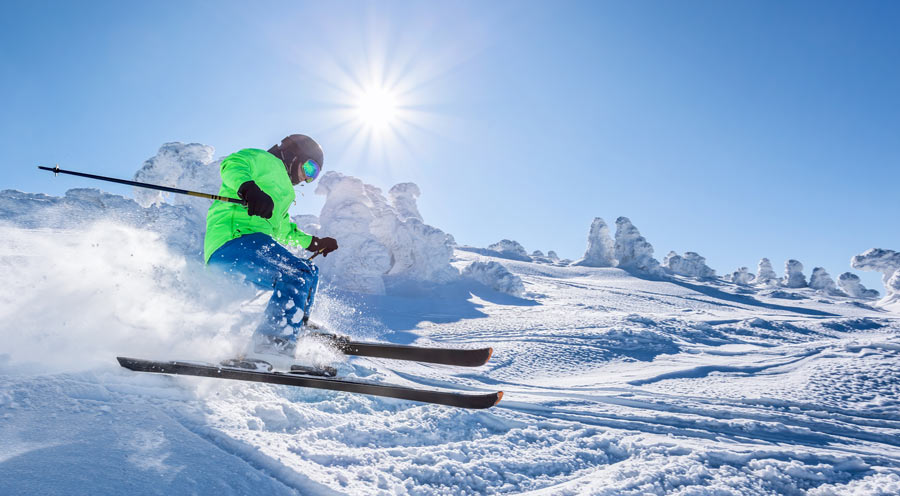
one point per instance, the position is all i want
(765, 274)
(691, 265)
(537, 254)
(552, 255)
(185, 166)
(742, 276)
(510, 249)
(495, 276)
(888, 263)
(82, 207)
(632, 251)
(600, 249)
(793, 274)
(821, 280)
(850, 283)
(379, 239)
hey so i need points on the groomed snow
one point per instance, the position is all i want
(614, 384)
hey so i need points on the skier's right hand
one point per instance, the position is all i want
(258, 202)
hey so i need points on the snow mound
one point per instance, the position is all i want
(552, 255)
(495, 276)
(600, 250)
(537, 254)
(690, 265)
(793, 275)
(765, 274)
(632, 251)
(510, 249)
(850, 283)
(378, 238)
(742, 276)
(888, 263)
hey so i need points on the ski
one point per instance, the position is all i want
(445, 356)
(461, 400)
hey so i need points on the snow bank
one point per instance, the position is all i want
(600, 249)
(513, 250)
(691, 265)
(495, 276)
(742, 276)
(793, 275)
(765, 274)
(850, 283)
(888, 263)
(378, 238)
(632, 251)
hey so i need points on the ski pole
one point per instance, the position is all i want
(57, 170)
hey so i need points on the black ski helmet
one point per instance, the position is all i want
(296, 149)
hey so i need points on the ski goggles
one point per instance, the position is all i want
(310, 170)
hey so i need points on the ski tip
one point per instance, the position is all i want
(499, 397)
(490, 354)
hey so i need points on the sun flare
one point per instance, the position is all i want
(377, 108)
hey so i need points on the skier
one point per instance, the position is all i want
(247, 242)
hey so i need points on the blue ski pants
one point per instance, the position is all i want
(260, 260)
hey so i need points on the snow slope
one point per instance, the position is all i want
(614, 383)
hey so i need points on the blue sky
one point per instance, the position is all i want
(735, 129)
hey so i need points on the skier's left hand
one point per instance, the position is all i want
(323, 245)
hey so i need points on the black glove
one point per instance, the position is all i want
(323, 245)
(258, 202)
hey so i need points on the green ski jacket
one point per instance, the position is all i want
(226, 221)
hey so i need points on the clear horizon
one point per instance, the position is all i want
(736, 130)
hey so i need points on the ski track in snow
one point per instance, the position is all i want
(613, 385)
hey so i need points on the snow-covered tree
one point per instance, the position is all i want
(820, 280)
(851, 285)
(793, 274)
(765, 274)
(600, 248)
(691, 265)
(379, 239)
(552, 255)
(888, 263)
(632, 251)
(403, 197)
(742, 276)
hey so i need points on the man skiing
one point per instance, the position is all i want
(247, 241)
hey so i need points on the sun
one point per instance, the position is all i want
(377, 108)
